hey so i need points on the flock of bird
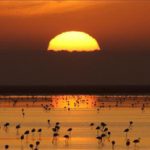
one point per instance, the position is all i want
(103, 134)
(92, 101)
(25, 136)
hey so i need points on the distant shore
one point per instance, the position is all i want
(49, 90)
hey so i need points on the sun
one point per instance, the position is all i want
(73, 41)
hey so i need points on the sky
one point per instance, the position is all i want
(121, 27)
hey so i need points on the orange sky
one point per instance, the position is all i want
(122, 29)
(108, 21)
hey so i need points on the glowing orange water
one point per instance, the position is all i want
(69, 101)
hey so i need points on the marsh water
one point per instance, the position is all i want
(76, 112)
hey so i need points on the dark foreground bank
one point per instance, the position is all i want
(103, 90)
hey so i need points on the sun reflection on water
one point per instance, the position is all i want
(74, 101)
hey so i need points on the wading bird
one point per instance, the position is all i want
(17, 128)
(33, 132)
(98, 129)
(126, 131)
(128, 142)
(130, 124)
(55, 138)
(37, 144)
(99, 138)
(31, 146)
(66, 139)
(6, 147)
(113, 144)
(69, 130)
(26, 133)
(91, 125)
(40, 132)
(6, 125)
(49, 123)
(136, 141)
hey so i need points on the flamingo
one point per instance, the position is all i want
(57, 123)
(49, 123)
(126, 131)
(98, 128)
(69, 130)
(143, 107)
(54, 129)
(6, 147)
(66, 139)
(31, 146)
(57, 127)
(91, 125)
(22, 138)
(136, 141)
(109, 134)
(103, 124)
(105, 130)
(54, 140)
(128, 143)
(26, 133)
(33, 131)
(40, 131)
(23, 113)
(99, 139)
(17, 128)
(6, 126)
(113, 144)
(37, 144)
(103, 136)
(130, 124)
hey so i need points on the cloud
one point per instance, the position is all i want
(32, 7)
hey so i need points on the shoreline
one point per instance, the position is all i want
(89, 89)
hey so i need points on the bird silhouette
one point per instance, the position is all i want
(103, 135)
(31, 146)
(103, 125)
(69, 130)
(49, 123)
(113, 144)
(6, 125)
(126, 131)
(91, 125)
(17, 128)
(98, 129)
(55, 136)
(22, 138)
(57, 127)
(33, 132)
(66, 139)
(26, 133)
(130, 124)
(57, 123)
(54, 129)
(40, 132)
(136, 141)
(128, 142)
(105, 129)
(99, 138)
(6, 147)
(37, 144)
(108, 134)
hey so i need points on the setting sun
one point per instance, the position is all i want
(73, 41)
